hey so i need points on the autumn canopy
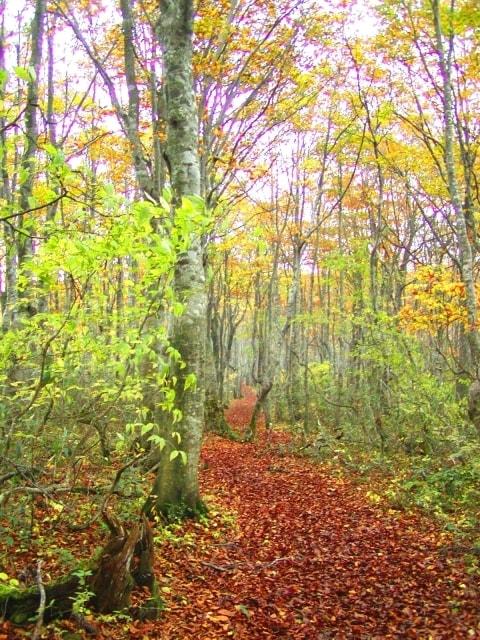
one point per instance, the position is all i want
(239, 295)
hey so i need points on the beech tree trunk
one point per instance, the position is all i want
(19, 245)
(175, 490)
(31, 125)
(465, 251)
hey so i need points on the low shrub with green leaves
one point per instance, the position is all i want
(92, 374)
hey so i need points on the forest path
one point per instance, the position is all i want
(308, 557)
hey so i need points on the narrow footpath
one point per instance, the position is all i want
(295, 552)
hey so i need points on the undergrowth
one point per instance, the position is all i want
(447, 488)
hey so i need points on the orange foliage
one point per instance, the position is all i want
(435, 300)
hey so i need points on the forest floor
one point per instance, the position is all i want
(292, 550)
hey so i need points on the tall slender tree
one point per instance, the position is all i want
(176, 485)
(445, 50)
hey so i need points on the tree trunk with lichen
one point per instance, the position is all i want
(175, 491)
(445, 52)
(465, 250)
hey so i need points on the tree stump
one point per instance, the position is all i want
(126, 560)
(113, 582)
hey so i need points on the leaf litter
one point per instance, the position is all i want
(292, 551)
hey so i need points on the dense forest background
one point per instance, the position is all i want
(305, 225)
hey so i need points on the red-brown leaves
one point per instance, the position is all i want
(311, 558)
(307, 556)
(240, 411)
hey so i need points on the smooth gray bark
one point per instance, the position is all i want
(445, 55)
(131, 121)
(20, 244)
(176, 485)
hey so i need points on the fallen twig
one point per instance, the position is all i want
(259, 566)
(217, 567)
(41, 606)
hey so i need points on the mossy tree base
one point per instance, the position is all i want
(21, 606)
(126, 560)
(174, 512)
(215, 421)
(251, 431)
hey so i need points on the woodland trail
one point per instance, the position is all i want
(293, 550)
(309, 557)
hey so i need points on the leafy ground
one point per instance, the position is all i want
(292, 551)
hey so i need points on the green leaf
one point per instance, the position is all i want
(164, 246)
(244, 610)
(145, 428)
(143, 212)
(198, 203)
(174, 454)
(178, 308)
(25, 74)
(157, 441)
(130, 427)
(167, 196)
(190, 381)
(3, 78)
(183, 455)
